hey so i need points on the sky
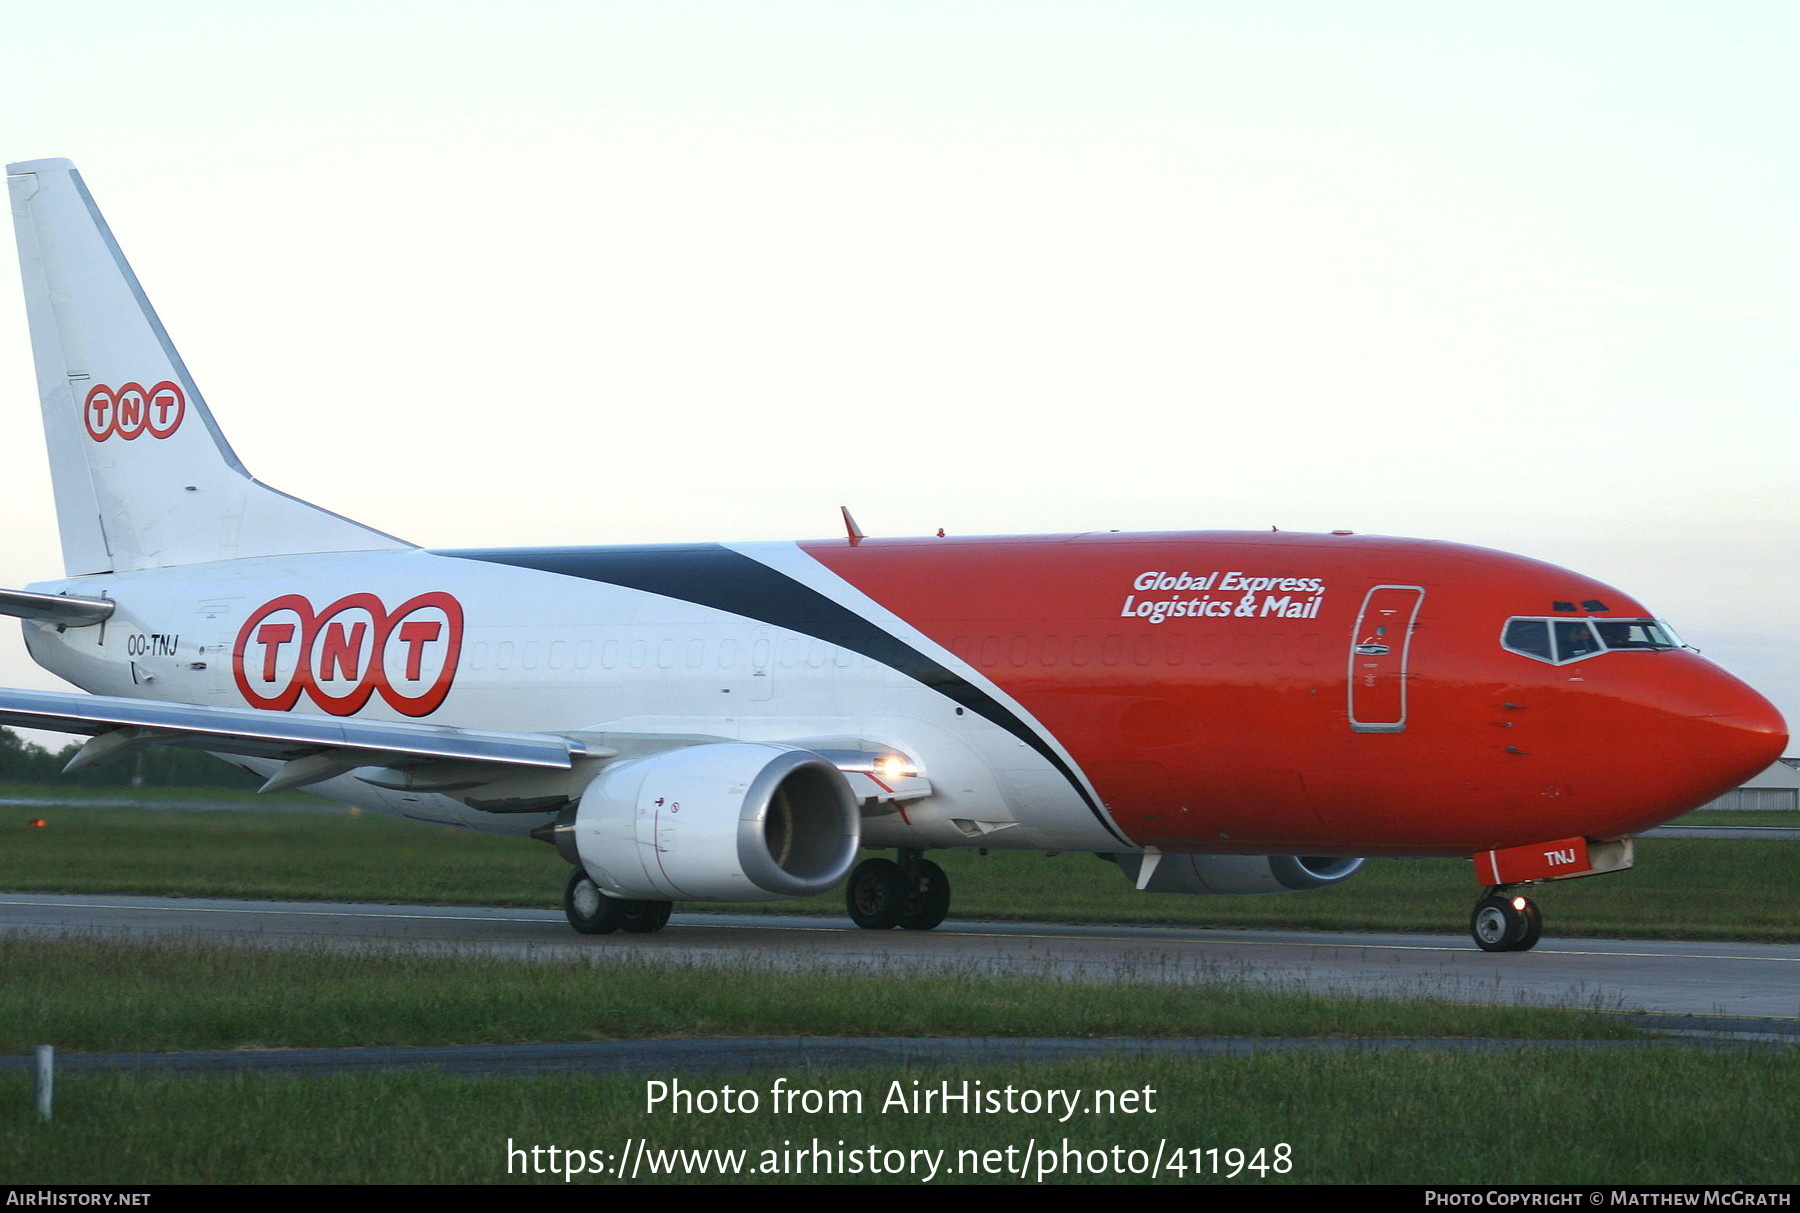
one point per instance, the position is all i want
(1521, 276)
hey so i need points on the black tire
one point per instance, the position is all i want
(588, 909)
(645, 917)
(1497, 926)
(927, 897)
(875, 894)
(1534, 927)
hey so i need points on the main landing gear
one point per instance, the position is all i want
(594, 913)
(913, 894)
(1505, 922)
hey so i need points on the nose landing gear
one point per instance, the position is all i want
(1505, 922)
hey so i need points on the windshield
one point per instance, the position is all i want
(1635, 634)
(1560, 641)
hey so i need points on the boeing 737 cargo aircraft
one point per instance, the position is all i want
(1212, 712)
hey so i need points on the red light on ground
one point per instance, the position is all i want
(38, 823)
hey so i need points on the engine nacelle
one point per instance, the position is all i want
(729, 821)
(1239, 875)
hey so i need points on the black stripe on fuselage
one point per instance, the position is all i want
(707, 574)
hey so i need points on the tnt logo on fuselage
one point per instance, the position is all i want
(343, 654)
(132, 409)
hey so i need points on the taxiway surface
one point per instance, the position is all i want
(1666, 977)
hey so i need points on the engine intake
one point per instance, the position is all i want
(729, 821)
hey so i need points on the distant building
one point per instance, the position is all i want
(1776, 788)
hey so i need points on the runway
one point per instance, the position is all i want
(1683, 978)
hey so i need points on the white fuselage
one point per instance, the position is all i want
(543, 652)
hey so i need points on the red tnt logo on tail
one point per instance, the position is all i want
(130, 409)
(346, 652)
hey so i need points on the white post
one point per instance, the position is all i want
(46, 1077)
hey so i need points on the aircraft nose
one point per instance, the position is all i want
(1719, 728)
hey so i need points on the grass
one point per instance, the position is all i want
(1663, 1116)
(77, 794)
(1657, 1116)
(1740, 817)
(102, 995)
(1681, 888)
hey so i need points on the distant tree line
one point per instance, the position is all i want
(154, 766)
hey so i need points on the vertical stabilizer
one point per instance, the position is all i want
(143, 477)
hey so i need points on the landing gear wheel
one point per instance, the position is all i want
(588, 909)
(1534, 926)
(927, 896)
(876, 894)
(645, 917)
(1505, 923)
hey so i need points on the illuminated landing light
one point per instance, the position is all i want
(1519, 903)
(892, 767)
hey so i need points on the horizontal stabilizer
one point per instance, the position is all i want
(64, 609)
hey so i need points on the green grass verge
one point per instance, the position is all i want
(1744, 817)
(1681, 888)
(76, 795)
(132, 996)
(1664, 1116)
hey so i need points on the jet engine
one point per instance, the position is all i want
(1239, 874)
(726, 821)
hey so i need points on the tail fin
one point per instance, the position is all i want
(143, 477)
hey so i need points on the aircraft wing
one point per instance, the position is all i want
(492, 771)
(312, 748)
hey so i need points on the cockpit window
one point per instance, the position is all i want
(1635, 634)
(1560, 641)
(1530, 637)
(1574, 640)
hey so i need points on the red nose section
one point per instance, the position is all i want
(1718, 733)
